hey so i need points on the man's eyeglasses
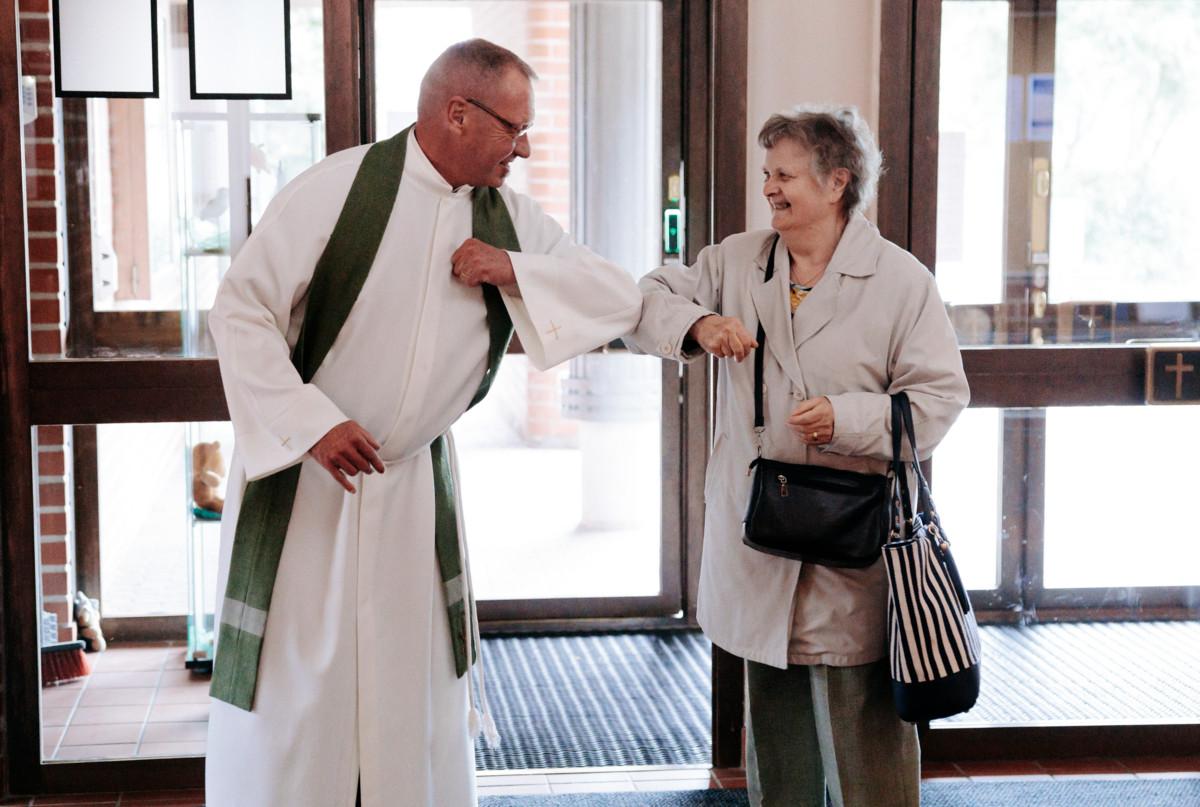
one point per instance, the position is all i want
(513, 129)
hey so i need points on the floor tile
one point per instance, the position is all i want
(568, 777)
(117, 696)
(1083, 766)
(122, 679)
(1154, 764)
(659, 785)
(102, 734)
(92, 715)
(179, 713)
(156, 749)
(194, 693)
(106, 751)
(128, 661)
(175, 732)
(592, 787)
(179, 678)
(59, 697)
(1002, 767)
(56, 716)
(515, 790)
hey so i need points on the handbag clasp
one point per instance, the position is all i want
(783, 487)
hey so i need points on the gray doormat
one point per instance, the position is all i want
(935, 793)
(598, 701)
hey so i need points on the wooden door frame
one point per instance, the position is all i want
(999, 377)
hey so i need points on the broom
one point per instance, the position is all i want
(64, 662)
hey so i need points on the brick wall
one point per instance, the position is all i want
(48, 309)
(548, 51)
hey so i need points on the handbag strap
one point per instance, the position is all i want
(759, 420)
(899, 476)
(902, 425)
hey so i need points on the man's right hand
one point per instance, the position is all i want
(346, 450)
(723, 336)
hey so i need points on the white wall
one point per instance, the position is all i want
(807, 51)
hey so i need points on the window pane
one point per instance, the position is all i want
(1122, 220)
(1063, 216)
(1125, 527)
(160, 193)
(966, 488)
(129, 521)
(971, 151)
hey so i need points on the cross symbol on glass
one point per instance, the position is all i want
(1179, 368)
(553, 329)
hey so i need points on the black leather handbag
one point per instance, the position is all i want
(809, 512)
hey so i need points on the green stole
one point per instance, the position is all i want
(267, 503)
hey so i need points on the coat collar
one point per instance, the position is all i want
(855, 256)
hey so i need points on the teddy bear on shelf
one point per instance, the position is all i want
(208, 471)
(87, 620)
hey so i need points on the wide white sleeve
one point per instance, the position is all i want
(925, 363)
(255, 320)
(673, 298)
(568, 299)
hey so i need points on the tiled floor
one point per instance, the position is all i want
(138, 702)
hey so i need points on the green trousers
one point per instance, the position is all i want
(809, 728)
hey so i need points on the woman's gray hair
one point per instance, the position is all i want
(836, 137)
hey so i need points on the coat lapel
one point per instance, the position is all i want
(853, 257)
(770, 300)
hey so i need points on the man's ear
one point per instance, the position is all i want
(456, 114)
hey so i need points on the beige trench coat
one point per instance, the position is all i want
(873, 325)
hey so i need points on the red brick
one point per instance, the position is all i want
(51, 463)
(43, 248)
(60, 609)
(50, 435)
(37, 61)
(35, 30)
(54, 583)
(40, 187)
(43, 281)
(42, 219)
(34, 6)
(53, 523)
(44, 312)
(54, 553)
(46, 343)
(42, 126)
(52, 494)
(39, 155)
(70, 633)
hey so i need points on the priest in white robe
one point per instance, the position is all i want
(356, 683)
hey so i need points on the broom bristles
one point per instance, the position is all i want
(63, 663)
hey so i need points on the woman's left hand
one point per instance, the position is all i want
(813, 421)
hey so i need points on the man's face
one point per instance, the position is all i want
(491, 144)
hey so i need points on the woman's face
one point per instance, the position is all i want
(798, 200)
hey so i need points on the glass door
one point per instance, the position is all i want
(1066, 254)
(566, 508)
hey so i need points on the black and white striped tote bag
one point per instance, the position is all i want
(932, 636)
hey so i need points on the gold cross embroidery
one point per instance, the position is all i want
(553, 330)
(285, 442)
(1179, 368)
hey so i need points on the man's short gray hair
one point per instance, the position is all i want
(469, 68)
(836, 137)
